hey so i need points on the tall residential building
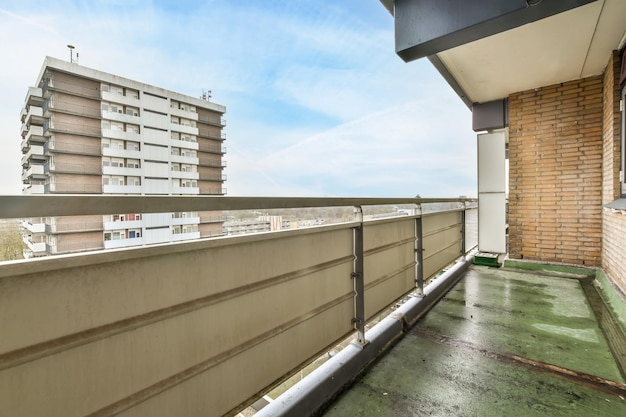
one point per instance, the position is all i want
(90, 132)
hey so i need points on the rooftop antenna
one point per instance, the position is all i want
(206, 95)
(71, 47)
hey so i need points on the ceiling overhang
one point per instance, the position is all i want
(488, 49)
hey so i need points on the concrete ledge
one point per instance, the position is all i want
(317, 390)
(613, 297)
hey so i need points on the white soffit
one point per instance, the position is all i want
(564, 47)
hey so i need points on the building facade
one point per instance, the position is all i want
(86, 131)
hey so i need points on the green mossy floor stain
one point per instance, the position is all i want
(451, 363)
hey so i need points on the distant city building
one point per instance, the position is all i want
(88, 131)
(261, 224)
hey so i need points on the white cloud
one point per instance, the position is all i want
(318, 103)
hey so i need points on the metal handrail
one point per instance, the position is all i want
(21, 206)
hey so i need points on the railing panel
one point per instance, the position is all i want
(389, 262)
(441, 240)
(115, 332)
(194, 328)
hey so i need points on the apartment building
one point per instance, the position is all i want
(86, 131)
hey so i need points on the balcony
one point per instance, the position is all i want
(310, 288)
(32, 115)
(122, 117)
(121, 189)
(72, 168)
(36, 248)
(70, 147)
(216, 163)
(33, 172)
(185, 190)
(185, 175)
(70, 187)
(123, 243)
(183, 113)
(316, 270)
(35, 134)
(118, 98)
(35, 225)
(176, 127)
(121, 135)
(111, 170)
(33, 189)
(184, 159)
(121, 153)
(212, 148)
(34, 97)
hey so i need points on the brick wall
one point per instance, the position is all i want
(555, 154)
(614, 222)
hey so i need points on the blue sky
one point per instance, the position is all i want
(318, 104)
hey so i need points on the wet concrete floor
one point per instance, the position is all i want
(501, 343)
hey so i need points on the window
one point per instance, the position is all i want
(175, 136)
(132, 163)
(176, 151)
(134, 181)
(175, 167)
(132, 146)
(106, 125)
(105, 107)
(114, 235)
(132, 128)
(175, 120)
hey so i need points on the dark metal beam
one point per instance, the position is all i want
(426, 27)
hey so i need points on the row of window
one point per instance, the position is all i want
(136, 181)
(188, 153)
(184, 137)
(118, 108)
(129, 92)
(119, 126)
(183, 106)
(122, 217)
(120, 162)
(182, 121)
(136, 233)
(121, 234)
(116, 89)
(120, 180)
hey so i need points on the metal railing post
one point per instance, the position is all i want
(463, 227)
(419, 254)
(358, 321)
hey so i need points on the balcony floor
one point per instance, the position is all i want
(502, 342)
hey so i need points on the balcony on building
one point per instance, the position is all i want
(511, 307)
(34, 133)
(35, 225)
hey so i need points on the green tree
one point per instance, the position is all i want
(11, 244)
